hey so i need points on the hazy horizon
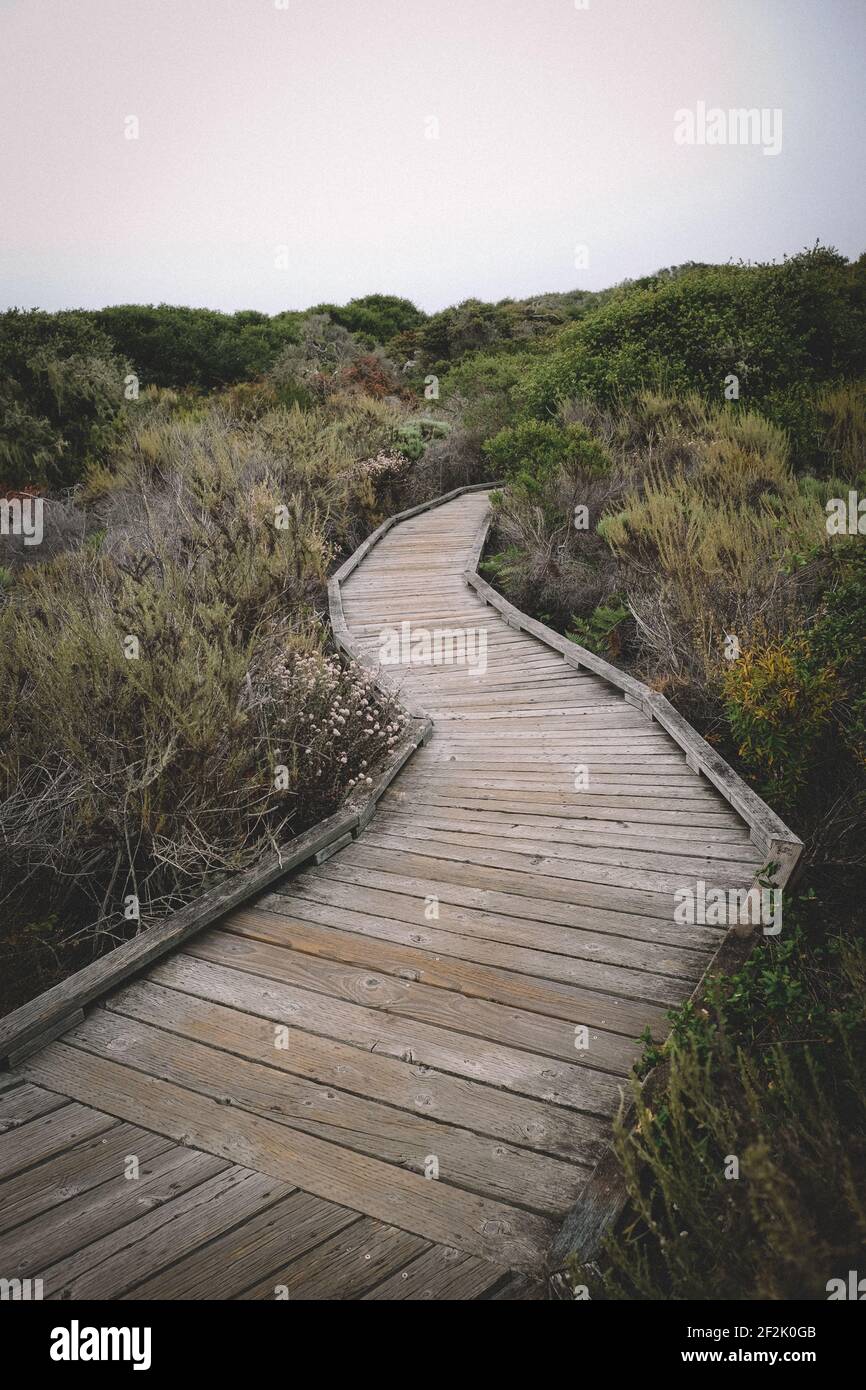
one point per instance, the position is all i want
(283, 153)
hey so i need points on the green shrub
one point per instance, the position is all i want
(482, 388)
(376, 318)
(528, 455)
(599, 632)
(779, 328)
(173, 346)
(797, 707)
(841, 414)
(779, 705)
(769, 1071)
(155, 775)
(61, 389)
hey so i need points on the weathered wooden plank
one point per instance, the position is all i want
(358, 1123)
(344, 1267)
(74, 1171)
(29, 1249)
(411, 999)
(32, 1143)
(598, 809)
(457, 899)
(472, 964)
(228, 1265)
(543, 862)
(53, 1028)
(608, 1051)
(493, 1230)
(664, 841)
(132, 1254)
(769, 831)
(438, 871)
(442, 1274)
(691, 859)
(408, 1085)
(25, 1103)
(566, 937)
(519, 1289)
(599, 821)
(527, 1073)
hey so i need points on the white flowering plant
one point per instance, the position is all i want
(333, 725)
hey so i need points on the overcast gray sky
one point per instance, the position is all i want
(284, 151)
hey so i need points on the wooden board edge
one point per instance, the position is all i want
(52, 1012)
(38, 1015)
(768, 831)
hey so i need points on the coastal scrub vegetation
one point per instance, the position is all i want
(668, 449)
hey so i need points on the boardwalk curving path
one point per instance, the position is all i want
(392, 1076)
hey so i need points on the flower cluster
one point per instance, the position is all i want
(386, 464)
(335, 724)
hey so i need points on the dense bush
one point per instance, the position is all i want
(779, 705)
(374, 318)
(549, 563)
(796, 708)
(694, 517)
(770, 1070)
(61, 387)
(480, 390)
(208, 542)
(448, 461)
(530, 454)
(327, 358)
(779, 328)
(175, 346)
(462, 331)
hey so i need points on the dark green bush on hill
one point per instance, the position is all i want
(61, 387)
(482, 389)
(472, 326)
(176, 346)
(531, 452)
(475, 326)
(376, 318)
(780, 329)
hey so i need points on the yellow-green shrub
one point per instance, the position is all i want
(779, 704)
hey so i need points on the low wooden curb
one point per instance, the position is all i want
(768, 832)
(58, 1008)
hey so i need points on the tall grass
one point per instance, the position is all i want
(171, 711)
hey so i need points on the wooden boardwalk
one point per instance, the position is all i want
(391, 1077)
